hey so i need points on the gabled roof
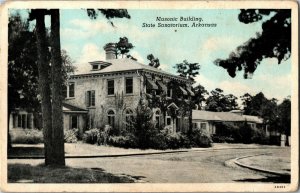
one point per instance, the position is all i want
(72, 108)
(126, 64)
(224, 116)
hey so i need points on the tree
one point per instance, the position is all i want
(267, 109)
(54, 150)
(199, 98)
(273, 42)
(246, 100)
(23, 68)
(57, 77)
(187, 70)
(123, 46)
(44, 84)
(219, 102)
(153, 61)
(284, 113)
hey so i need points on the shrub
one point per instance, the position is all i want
(259, 136)
(70, 135)
(227, 132)
(222, 139)
(128, 141)
(91, 136)
(200, 138)
(246, 132)
(103, 135)
(27, 136)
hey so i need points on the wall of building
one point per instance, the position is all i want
(119, 102)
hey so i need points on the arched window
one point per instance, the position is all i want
(157, 118)
(129, 118)
(111, 118)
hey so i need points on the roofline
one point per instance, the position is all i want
(133, 70)
(82, 112)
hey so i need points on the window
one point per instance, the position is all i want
(157, 119)
(73, 121)
(95, 67)
(129, 119)
(168, 120)
(22, 121)
(169, 92)
(203, 126)
(110, 87)
(90, 96)
(71, 89)
(111, 118)
(129, 86)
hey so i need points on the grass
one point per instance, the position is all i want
(50, 174)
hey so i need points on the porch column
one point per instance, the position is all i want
(15, 120)
(30, 124)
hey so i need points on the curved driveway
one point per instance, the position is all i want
(187, 167)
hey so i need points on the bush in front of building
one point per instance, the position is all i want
(91, 136)
(252, 135)
(259, 137)
(125, 141)
(71, 135)
(26, 136)
(222, 139)
(227, 133)
(200, 138)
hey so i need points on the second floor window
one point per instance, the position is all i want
(129, 86)
(169, 92)
(110, 87)
(71, 89)
(90, 96)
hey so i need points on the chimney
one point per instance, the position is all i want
(110, 51)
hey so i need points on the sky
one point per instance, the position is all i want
(83, 39)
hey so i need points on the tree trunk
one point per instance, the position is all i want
(56, 76)
(44, 85)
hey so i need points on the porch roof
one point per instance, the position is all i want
(224, 116)
(70, 108)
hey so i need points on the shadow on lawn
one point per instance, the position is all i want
(25, 151)
(18, 173)
(274, 179)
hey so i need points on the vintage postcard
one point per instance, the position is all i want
(149, 96)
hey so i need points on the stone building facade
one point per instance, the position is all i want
(110, 92)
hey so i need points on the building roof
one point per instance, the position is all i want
(223, 116)
(255, 119)
(72, 108)
(126, 64)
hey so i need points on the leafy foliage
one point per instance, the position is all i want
(108, 13)
(123, 47)
(219, 102)
(187, 70)
(153, 61)
(284, 112)
(22, 65)
(273, 42)
(199, 98)
(70, 135)
(200, 138)
(27, 136)
(91, 136)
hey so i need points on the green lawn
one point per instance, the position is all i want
(46, 174)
